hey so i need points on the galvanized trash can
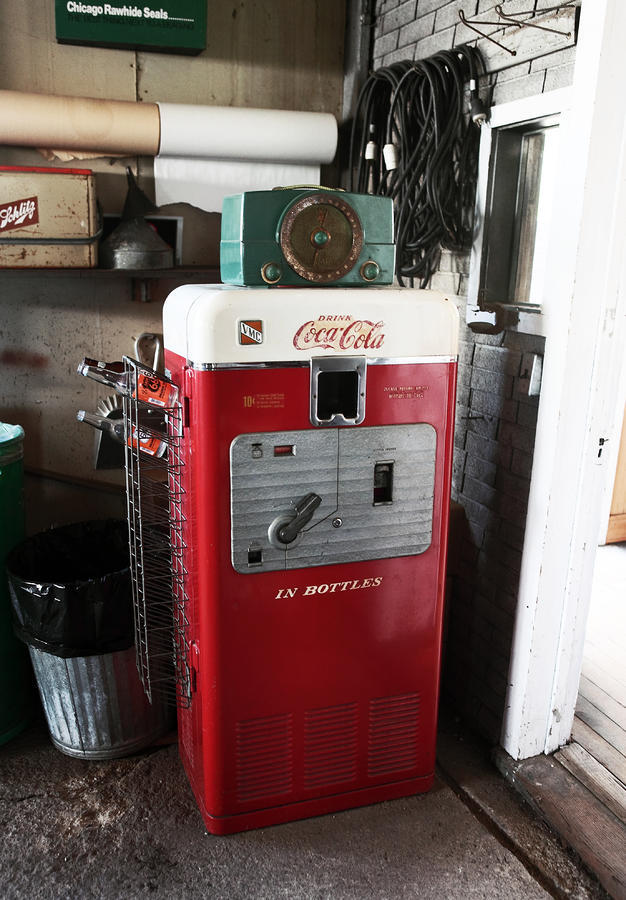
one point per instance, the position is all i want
(16, 688)
(71, 597)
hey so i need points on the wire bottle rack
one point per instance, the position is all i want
(156, 520)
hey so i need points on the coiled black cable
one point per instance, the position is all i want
(418, 107)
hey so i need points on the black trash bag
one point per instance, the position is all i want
(71, 591)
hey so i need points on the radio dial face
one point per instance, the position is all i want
(321, 237)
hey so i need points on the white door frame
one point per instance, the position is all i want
(583, 369)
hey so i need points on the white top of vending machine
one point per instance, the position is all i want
(209, 324)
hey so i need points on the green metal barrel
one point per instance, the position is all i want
(15, 671)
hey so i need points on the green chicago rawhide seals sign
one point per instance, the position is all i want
(175, 26)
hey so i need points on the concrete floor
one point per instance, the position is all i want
(130, 828)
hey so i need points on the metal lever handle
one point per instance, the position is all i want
(304, 510)
(143, 342)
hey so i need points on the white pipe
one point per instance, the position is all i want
(226, 132)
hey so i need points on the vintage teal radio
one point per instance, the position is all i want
(307, 236)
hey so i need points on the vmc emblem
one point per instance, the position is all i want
(250, 331)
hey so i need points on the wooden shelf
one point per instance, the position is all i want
(190, 273)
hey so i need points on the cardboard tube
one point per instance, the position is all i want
(79, 123)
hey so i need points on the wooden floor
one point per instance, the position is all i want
(603, 680)
(581, 789)
(582, 820)
(598, 752)
(596, 761)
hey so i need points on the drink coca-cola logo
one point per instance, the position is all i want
(19, 214)
(339, 333)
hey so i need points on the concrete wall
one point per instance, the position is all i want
(281, 55)
(496, 420)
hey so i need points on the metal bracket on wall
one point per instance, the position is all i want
(492, 319)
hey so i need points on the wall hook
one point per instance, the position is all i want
(526, 24)
(471, 23)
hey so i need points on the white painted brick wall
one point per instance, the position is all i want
(496, 420)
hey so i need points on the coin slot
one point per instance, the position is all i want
(383, 483)
(337, 394)
(284, 450)
(255, 556)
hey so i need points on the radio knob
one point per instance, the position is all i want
(271, 273)
(320, 238)
(370, 270)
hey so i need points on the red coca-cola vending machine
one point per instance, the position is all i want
(315, 450)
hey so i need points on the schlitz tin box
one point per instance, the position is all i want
(48, 218)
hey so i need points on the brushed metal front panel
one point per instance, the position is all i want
(272, 471)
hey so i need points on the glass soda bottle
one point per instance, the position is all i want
(151, 387)
(145, 441)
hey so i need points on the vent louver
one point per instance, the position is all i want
(330, 746)
(264, 758)
(393, 734)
